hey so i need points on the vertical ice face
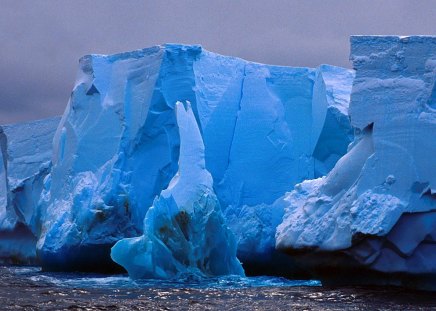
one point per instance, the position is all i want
(29, 152)
(273, 117)
(115, 136)
(293, 125)
(378, 201)
(331, 128)
(26, 151)
(117, 146)
(184, 230)
(3, 177)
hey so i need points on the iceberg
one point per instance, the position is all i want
(26, 150)
(184, 230)
(264, 129)
(173, 160)
(372, 218)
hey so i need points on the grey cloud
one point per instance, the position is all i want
(41, 41)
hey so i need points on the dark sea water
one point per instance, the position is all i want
(27, 288)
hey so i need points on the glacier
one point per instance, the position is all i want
(184, 230)
(372, 218)
(117, 148)
(26, 150)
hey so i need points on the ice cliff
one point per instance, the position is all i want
(264, 129)
(26, 151)
(372, 218)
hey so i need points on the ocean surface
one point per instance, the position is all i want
(27, 288)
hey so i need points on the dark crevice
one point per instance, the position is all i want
(241, 95)
(4, 147)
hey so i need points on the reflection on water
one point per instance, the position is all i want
(27, 288)
(123, 281)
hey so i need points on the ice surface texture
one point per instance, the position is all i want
(25, 156)
(264, 128)
(378, 204)
(184, 230)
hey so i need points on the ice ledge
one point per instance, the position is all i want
(379, 218)
(390, 39)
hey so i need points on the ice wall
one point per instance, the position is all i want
(376, 207)
(117, 146)
(24, 163)
(303, 129)
(331, 128)
(184, 230)
(3, 176)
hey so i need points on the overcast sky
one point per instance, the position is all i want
(41, 41)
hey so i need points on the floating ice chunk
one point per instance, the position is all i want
(184, 230)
